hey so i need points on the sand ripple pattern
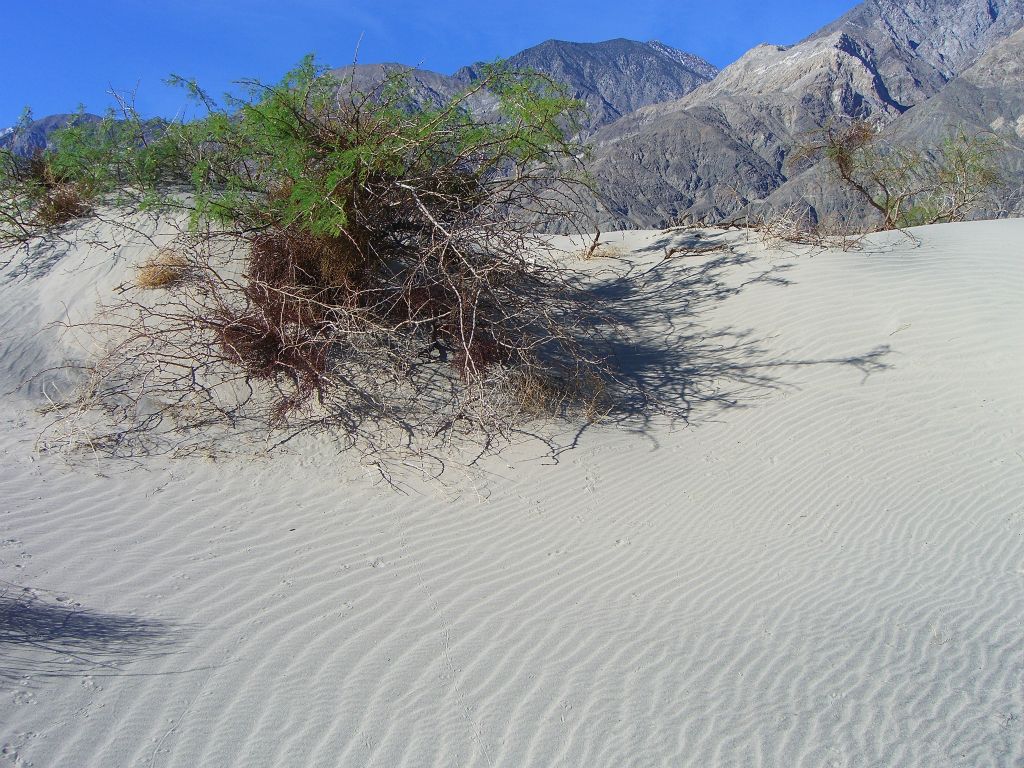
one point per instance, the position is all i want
(832, 576)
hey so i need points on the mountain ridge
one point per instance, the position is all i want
(674, 138)
(613, 77)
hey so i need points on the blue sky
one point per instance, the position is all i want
(57, 54)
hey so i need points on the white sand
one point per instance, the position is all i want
(830, 573)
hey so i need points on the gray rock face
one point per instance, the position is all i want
(946, 36)
(988, 97)
(694, 63)
(612, 78)
(615, 77)
(878, 62)
(653, 170)
(426, 89)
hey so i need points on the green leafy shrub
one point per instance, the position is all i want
(36, 195)
(117, 159)
(356, 264)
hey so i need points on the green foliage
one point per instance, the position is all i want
(36, 193)
(302, 152)
(384, 272)
(298, 153)
(120, 159)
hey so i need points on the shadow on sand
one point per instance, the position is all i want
(47, 637)
(673, 362)
(651, 318)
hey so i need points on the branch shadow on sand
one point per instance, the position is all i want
(51, 637)
(651, 319)
(674, 363)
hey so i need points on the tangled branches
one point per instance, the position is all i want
(357, 266)
(35, 198)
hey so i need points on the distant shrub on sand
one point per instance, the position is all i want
(36, 195)
(111, 160)
(909, 186)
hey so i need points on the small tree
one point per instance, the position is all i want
(909, 186)
(355, 264)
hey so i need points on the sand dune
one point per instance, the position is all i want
(821, 565)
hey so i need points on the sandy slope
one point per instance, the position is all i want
(825, 567)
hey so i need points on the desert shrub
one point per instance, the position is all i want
(85, 163)
(121, 159)
(909, 186)
(794, 225)
(597, 249)
(358, 265)
(61, 203)
(36, 196)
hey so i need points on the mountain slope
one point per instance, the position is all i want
(988, 97)
(612, 78)
(427, 89)
(36, 134)
(877, 62)
(615, 77)
(946, 35)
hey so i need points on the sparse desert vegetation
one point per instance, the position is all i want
(556, 412)
(909, 186)
(353, 264)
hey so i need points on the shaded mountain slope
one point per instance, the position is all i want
(877, 62)
(615, 77)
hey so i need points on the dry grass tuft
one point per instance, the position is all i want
(164, 270)
(539, 396)
(598, 250)
(61, 203)
(602, 251)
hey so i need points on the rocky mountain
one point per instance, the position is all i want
(911, 36)
(36, 134)
(986, 98)
(612, 78)
(615, 77)
(694, 63)
(725, 144)
(427, 89)
(676, 139)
